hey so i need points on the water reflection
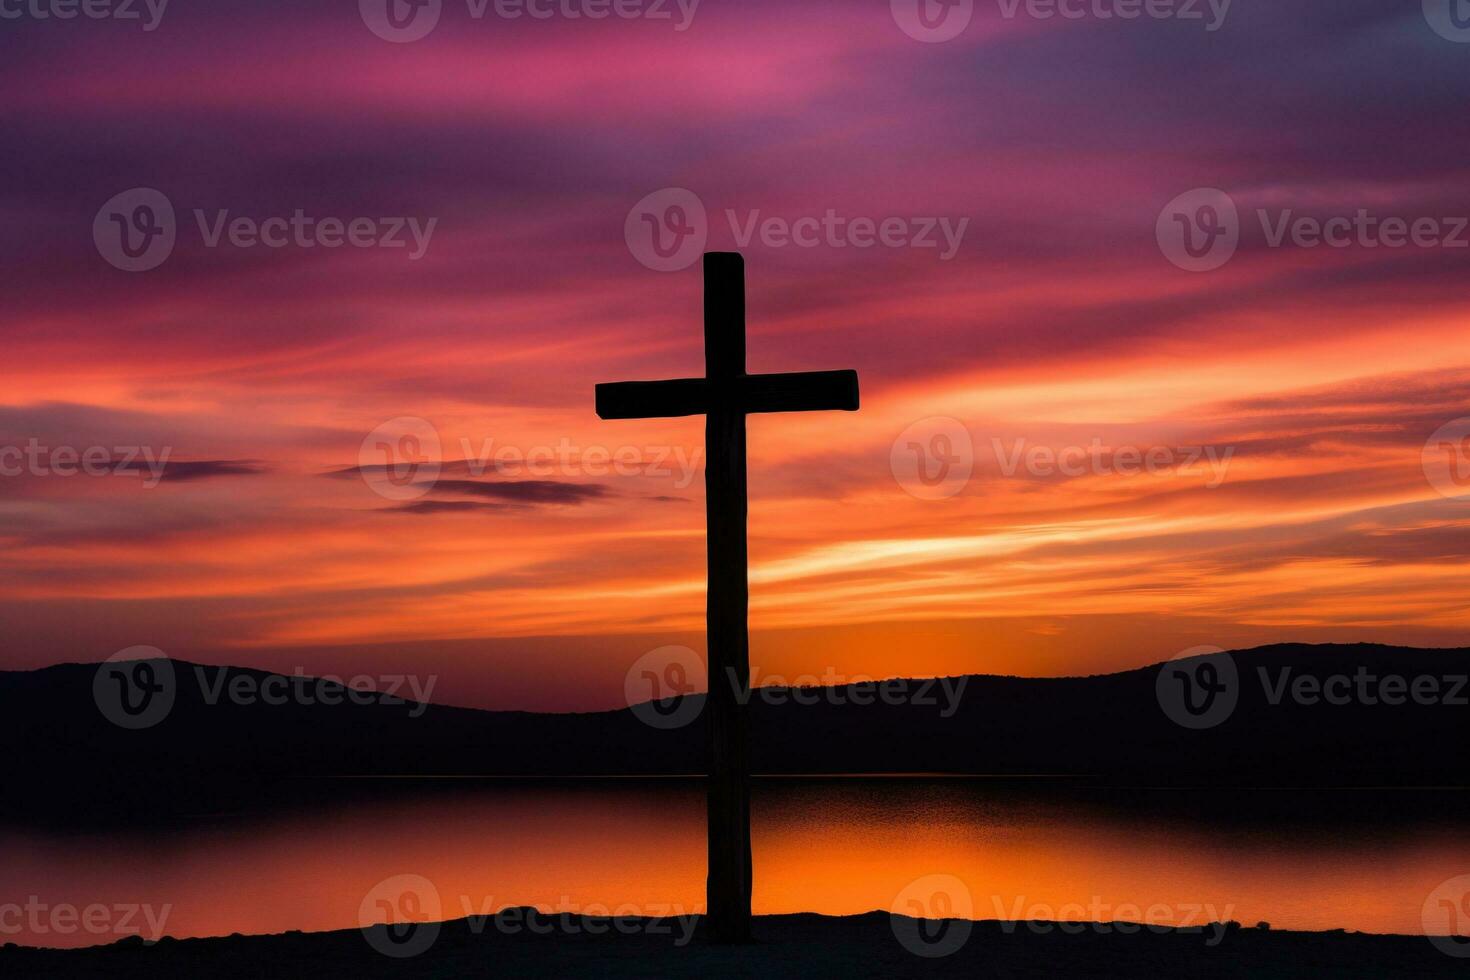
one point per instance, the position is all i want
(1356, 859)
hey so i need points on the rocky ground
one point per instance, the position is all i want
(872, 945)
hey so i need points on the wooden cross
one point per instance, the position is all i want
(724, 396)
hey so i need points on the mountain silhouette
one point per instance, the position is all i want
(67, 758)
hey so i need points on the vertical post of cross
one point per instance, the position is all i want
(729, 886)
(726, 395)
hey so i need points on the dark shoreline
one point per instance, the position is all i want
(871, 945)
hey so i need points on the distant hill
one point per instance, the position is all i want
(65, 757)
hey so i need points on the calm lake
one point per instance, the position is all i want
(1366, 860)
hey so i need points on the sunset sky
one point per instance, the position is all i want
(1315, 375)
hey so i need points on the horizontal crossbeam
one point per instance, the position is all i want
(652, 399)
(801, 391)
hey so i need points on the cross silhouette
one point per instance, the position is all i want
(724, 396)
